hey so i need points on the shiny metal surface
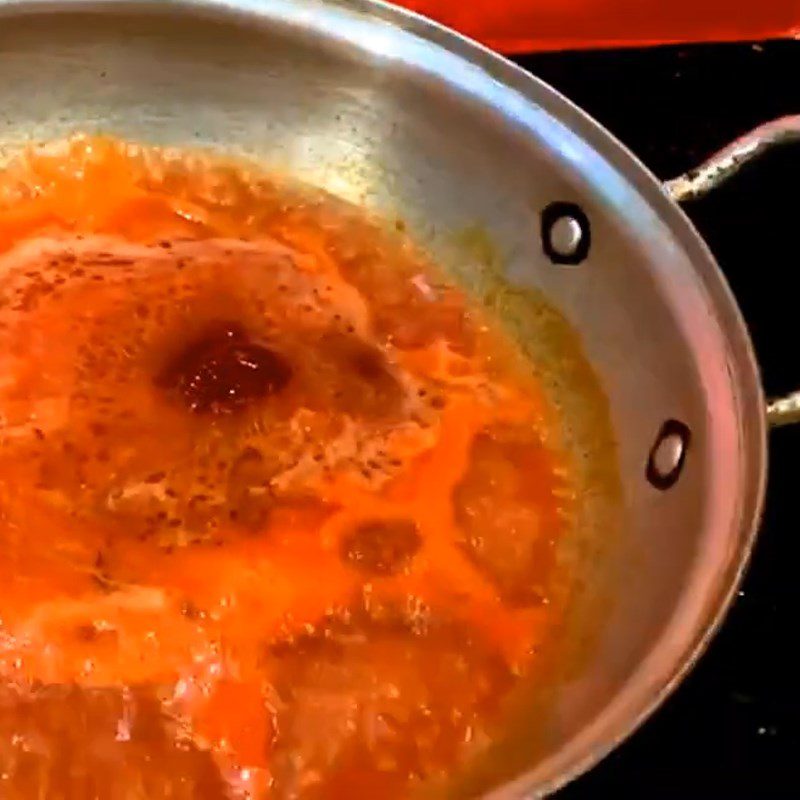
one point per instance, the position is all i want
(727, 162)
(718, 169)
(668, 454)
(566, 236)
(784, 410)
(388, 110)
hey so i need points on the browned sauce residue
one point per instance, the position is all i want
(279, 515)
(223, 371)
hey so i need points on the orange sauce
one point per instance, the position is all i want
(280, 514)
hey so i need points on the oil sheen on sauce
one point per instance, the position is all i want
(279, 513)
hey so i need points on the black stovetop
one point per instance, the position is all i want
(733, 728)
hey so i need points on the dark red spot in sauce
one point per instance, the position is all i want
(382, 547)
(223, 371)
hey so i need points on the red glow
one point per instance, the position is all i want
(527, 25)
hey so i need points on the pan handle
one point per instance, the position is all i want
(727, 162)
(714, 172)
(784, 410)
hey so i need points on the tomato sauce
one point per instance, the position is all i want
(280, 513)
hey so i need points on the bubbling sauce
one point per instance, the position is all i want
(223, 371)
(280, 513)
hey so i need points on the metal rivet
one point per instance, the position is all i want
(668, 454)
(566, 235)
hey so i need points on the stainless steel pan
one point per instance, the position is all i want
(387, 109)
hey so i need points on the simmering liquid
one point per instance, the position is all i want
(280, 512)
